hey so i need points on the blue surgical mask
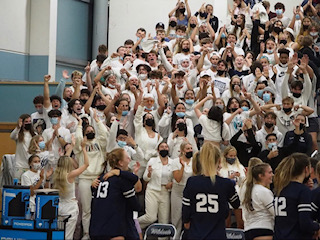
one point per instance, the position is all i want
(180, 114)
(245, 108)
(42, 145)
(149, 109)
(122, 144)
(271, 145)
(266, 97)
(125, 113)
(189, 101)
(279, 11)
(269, 51)
(230, 160)
(260, 93)
(54, 120)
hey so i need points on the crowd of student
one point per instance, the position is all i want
(199, 114)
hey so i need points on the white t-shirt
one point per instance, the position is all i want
(187, 172)
(211, 130)
(30, 178)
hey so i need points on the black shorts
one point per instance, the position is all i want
(313, 125)
(258, 232)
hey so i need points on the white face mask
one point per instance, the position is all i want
(143, 76)
(314, 34)
(36, 166)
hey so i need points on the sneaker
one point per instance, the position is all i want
(85, 237)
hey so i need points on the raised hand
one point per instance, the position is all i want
(65, 74)
(47, 78)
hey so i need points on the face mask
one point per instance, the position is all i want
(305, 27)
(286, 110)
(67, 99)
(220, 106)
(234, 85)
(297, 16)
(220, 72)
(111, 86)
(84, 101)
(260, 93)
(101, 107)
(125, 113)
(279, 11)
(180, 114)
(185, 50)
(234, 109)
(230, 160)
(314, 34)
(189, 154)
(143, 76)
(283, 65)
(277, 30)
(271, 145)
(268, 125)
(149, 122)
(54, 121)
(189, 101)
(40, 110)
(179, 36)
(296, 95)
(214, 65)
(266, 97)
(143, 55)
(192, 25)
(269, 51)
(27, 126)
(148, 109)
(182, 10)
(164, 153)
(90, 135)
(284, 42)
(181, 126)
(223, 35)
(173, 24)
(122, 144)
(203, 15)
(245, 108)
(36, 166)
(42, 145)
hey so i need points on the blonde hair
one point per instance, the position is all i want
(252, 178)
(114, 157)
(196, 166)
(182, 146)
(228, 149)
(60, 174)
(33, 144)
(209, 160)
(290, 167)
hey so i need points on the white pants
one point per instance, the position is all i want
(176, 207)
(157, 207)
(67, 208)
(85, 196)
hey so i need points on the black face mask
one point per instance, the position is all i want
(203, 15)
(164, 153)
(101, 107)
(143, 55)
(84, 124)
(220, 72)
(67, 99)
(287, 110)
(234, 109)
(27, 126)
(296, 95)
(137, 86)
(305, 27)
(181, 126)
(185, 50)
(149, 122)
(277, 30)
(173, 24)
(189, 154)
(284, 42)
(182, 10)
(192, 25)
(269, 125)
(306, 179)
(233, 86)
(90, 135)
(84, 101)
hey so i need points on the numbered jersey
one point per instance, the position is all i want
(111, 202)
(205, 206)
(293, 213)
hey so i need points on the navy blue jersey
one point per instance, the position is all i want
(205, 206)
(112, 202)
(293, 213)
(315, 204)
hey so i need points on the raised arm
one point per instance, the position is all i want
(200, 105)
(46, 91)
(90, 100)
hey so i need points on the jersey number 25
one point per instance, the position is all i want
(207, 203)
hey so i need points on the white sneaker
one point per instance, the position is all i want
(85, 237)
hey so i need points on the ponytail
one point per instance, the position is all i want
(209, 160)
